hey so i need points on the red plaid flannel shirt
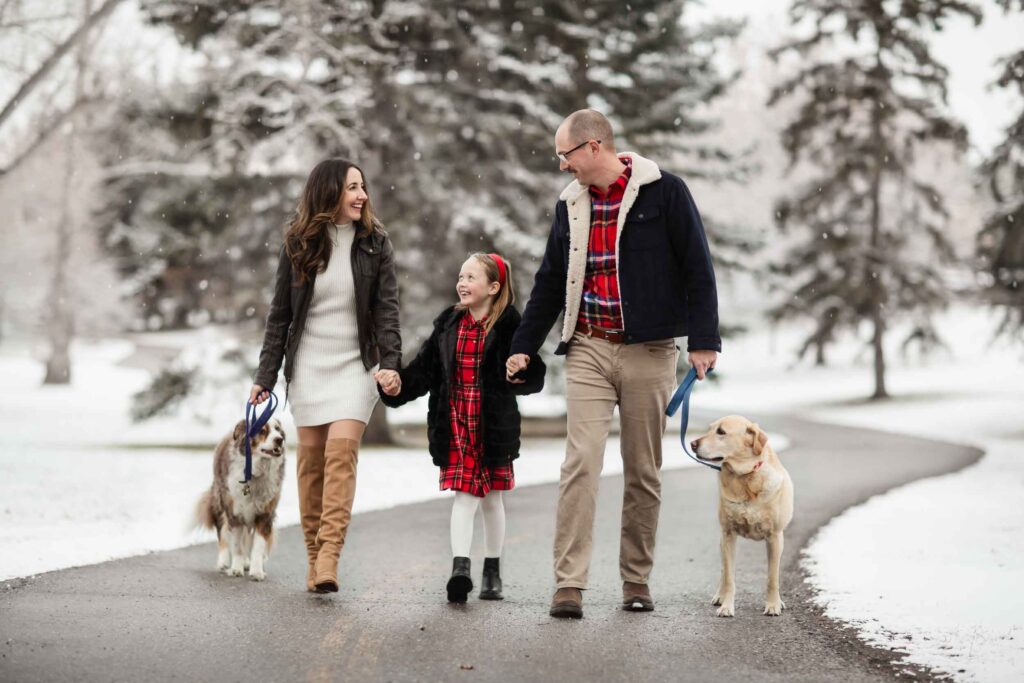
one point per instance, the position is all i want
(601, 305)
(465, 471)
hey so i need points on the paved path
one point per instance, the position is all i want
(169, 616)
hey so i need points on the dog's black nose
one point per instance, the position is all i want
(694, 444)
(278, 440)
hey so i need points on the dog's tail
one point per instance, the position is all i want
(204, 512)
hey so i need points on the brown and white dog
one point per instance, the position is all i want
(244, 515)
(755, 501)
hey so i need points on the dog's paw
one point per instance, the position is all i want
(257, 575)
(223, 560)
(235, 570)
(773, 608)
(717, 600)
(728, 609)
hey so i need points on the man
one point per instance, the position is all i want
(628, 264)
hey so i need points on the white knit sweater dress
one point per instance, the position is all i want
(330, 382)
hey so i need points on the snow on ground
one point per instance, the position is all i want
(79, 483)
(944, 585)
(929, 568)
(932, 569)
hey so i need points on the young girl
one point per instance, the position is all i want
(473, 420)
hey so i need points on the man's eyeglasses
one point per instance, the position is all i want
(564, 156)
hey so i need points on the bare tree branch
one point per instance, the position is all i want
(55, 57)
(51, 127)
(165, 168)
(23, 23)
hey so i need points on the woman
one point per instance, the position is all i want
(334, 323)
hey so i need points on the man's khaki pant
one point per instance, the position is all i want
(639, 378)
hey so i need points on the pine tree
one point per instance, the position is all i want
(452, 107)
(868, 240)
(205, 173)
(1001, 240)
(478, 91)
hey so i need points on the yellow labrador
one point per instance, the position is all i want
(755, 501)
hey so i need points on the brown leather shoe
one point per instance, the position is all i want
(567, 604)
(636, 597)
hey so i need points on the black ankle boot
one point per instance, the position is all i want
(460, 584)
(490, 587)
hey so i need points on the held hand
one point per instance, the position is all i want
(514, 364)
(390, 381)
(703, 361)
(258, 395)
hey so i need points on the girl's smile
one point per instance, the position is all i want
(473, 288)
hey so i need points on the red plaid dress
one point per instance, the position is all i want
(465, 470)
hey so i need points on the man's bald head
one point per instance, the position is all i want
(587, 124)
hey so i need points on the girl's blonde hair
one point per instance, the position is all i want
(506, 295)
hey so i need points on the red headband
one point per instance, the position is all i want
(501, 268)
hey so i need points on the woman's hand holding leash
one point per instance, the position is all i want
(258, 395)
(390, 381)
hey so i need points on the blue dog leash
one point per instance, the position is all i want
(253, 425)
(682, 397)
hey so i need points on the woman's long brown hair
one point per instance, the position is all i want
(506, 295)
(306, 241)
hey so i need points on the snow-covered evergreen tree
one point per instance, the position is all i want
(1001, 240)
(482, 86)
(868, 226)
(449, 106)
(207, 171)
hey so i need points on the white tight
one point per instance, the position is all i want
(463, 513)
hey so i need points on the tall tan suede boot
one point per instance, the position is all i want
(340, 459)
(310, 476)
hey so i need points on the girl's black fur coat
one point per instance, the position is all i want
(432, 370)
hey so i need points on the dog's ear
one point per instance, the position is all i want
(239, 430)
(758, 438)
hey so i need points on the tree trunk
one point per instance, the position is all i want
(58, 364)
(873, 267)
(876, 344)
(61, 318)
(60, 321)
